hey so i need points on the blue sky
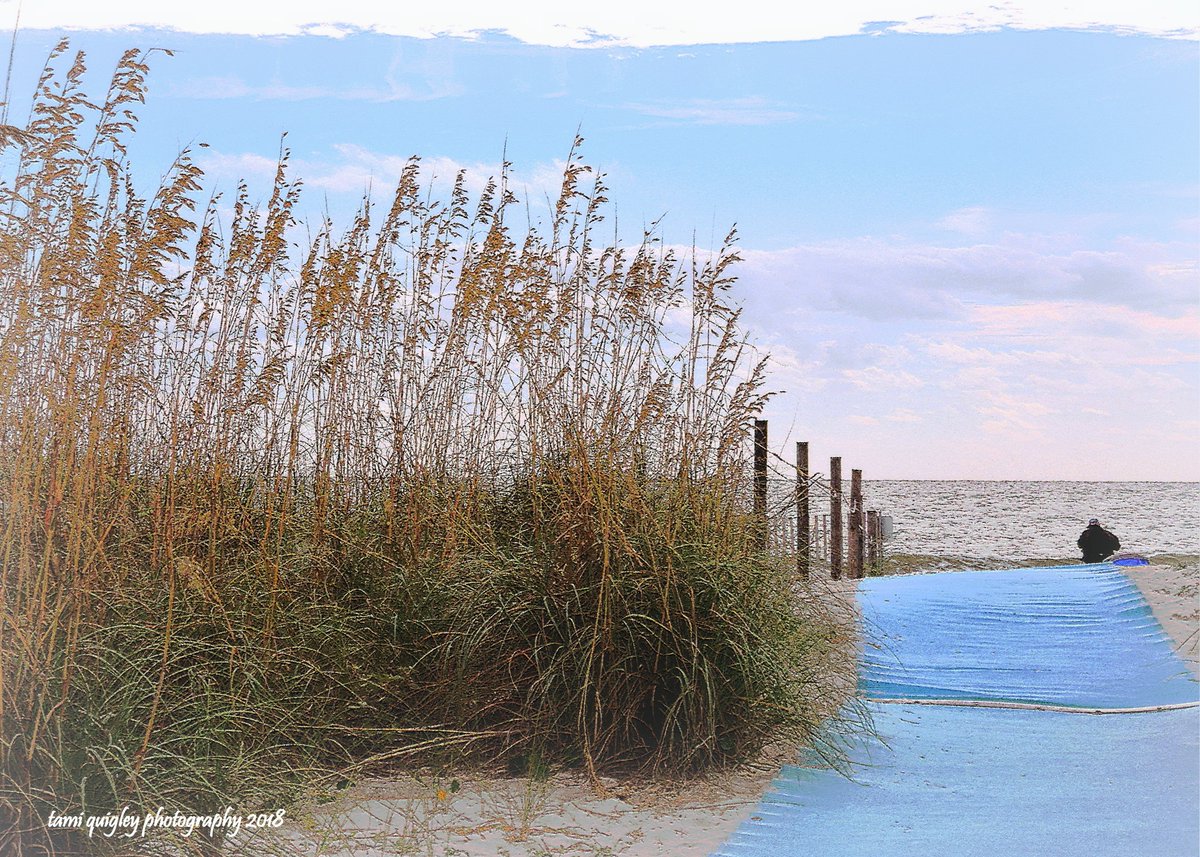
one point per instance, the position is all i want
(971, 250)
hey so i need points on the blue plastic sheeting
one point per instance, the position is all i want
(1073, 635)
(977, 781)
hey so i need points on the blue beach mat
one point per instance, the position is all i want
(963, 781)
(1078, 636)
(940, 779)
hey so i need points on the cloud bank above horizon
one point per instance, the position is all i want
(620, 22)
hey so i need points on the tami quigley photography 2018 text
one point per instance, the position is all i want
(129, 824)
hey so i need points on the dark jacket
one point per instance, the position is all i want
(1098, 544)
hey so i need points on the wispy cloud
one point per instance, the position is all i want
(232, 87)
(973, 221)
(1046, 318)
(877, 378)
(239, 165)
(227, 87)
(357, 168)
(753, 110)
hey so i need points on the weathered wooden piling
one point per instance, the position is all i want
(835, 517)
(856, 525)
(760, 480)
(802, 511)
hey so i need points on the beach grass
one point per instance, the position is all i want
(285, 504)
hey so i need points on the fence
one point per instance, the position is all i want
(848, 535)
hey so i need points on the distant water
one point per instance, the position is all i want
(1035, 520)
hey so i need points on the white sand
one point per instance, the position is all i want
(521, 818)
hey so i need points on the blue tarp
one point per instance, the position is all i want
(938, 780)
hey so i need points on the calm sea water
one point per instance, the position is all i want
(1035, 520)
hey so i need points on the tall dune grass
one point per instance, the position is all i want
(282, 501)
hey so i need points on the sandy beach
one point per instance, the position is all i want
(498, 816)
(510, 817)
(474, 815)
(1171, 584)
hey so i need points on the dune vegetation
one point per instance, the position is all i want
(284, 503)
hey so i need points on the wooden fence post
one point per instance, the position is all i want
(856, 525)
(835, 517)
(802, 511)
(760, 480)
(873, 537)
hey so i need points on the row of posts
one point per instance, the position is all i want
(865, 527)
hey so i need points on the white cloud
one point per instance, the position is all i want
(240, 165)
(548, 22)
(331, 30)
(793, 373)
(1089, 362)
(1029, 357)
(1091, 332)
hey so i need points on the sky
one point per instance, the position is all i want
(970, 231)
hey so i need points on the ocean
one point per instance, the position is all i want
(977, 520)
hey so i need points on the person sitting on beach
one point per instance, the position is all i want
(1097, 543)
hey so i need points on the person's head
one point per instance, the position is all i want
(1092, 522)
